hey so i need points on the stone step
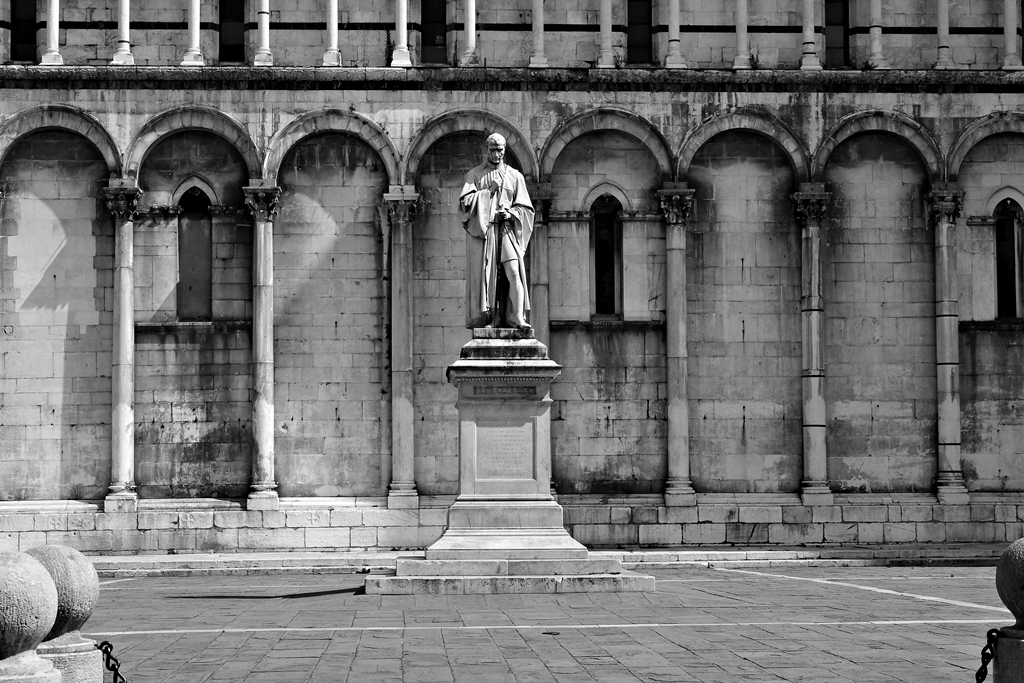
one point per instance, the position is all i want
(561, 567)
(625, 582)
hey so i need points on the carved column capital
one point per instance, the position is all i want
(262, 201)
(946, 202)
(676, 202)
(401, 202)
(122, 200)
(811, 203)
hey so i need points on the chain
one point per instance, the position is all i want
(988, 653)
(110, 661)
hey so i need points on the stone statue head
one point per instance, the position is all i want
(495, 148)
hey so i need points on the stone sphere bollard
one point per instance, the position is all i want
(1008, 665)
(78, 591)
(28, 608)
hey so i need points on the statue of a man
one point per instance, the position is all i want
(497, 214)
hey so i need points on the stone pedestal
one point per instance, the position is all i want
(1008, 665)
(505, 532)
(75, 657)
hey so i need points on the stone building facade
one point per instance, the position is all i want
(778, 255)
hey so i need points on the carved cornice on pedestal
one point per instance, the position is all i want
(122, 200)
(811, 203)
(262, 201)
(676, 202)
(945, 201)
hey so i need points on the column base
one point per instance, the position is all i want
(401, 57)
(121, 501)
(675, 62)
(1012, 63)
(122, 59)
(946, 64)
(332, 58)
(538, 62)
(263, 500)
(55, 59)
(469, 59)
(264, 58)
(815, 493)
(878, 64)
(954, 494)
(741, 61)
(810, 63)
(193, 59)
(606, 62)
(680, 493)
(403, 500)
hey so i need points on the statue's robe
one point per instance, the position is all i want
(487, 246)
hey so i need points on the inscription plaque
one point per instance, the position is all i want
(504, 450)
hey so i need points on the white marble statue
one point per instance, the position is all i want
(497, 214)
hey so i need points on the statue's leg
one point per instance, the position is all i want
(515, 316)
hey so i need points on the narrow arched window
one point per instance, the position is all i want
(232, 30)
(433, 32)
(1008, 259)
(195, 257)
(606, 256)
(639, 26)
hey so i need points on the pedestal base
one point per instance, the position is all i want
(1008, 665)
(263, 500)
(75, 657)
(121, 502)
(28, 667)
(953, 495)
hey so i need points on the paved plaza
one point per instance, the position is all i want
(717, 625)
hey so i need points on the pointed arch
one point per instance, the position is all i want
(610, 188)
(883, 122)
(993, 124)
(336, 121)
(469, 120)
(64, 117)
(752, 120)
(192, 118)
(607, 119)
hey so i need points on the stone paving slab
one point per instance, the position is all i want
(709, 624)
(347, 562)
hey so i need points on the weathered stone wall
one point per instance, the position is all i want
(57, 250)
(743, 307)
(879, 288)
(331, 379)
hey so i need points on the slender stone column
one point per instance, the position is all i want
(401, 204)
(540, 306)
(332, 56)
(809, 59)
(946, 201)
(262, 200)
(122, 198)
(944, 60)
(194, 55)
(400, 55)
(263, 56)
(123, 55)
(811, 208)
(537, 59)
(1011, 57)
(875, 32)
(52, 55)
(742, 59)
(674, 53)
(606, 58)
(677, 205)
(469, 56)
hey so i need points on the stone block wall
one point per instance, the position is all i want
(879, 282)
(56, 307)
(193, 432)
(743, 309)
(331, 370)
